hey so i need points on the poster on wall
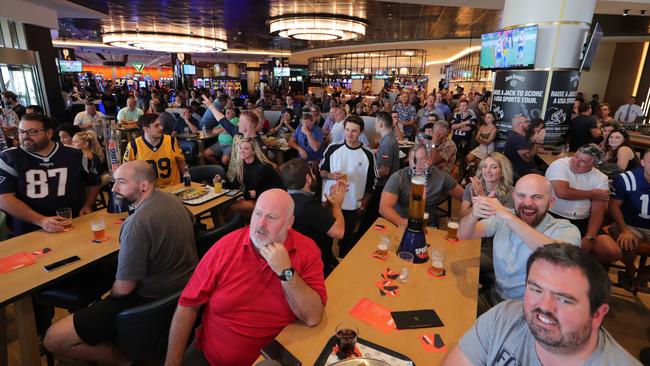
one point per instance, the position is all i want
(564, 86)
(517, 93)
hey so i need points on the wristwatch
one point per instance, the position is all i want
(591, 238)
(287, 274)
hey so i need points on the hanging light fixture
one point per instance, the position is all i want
(164, 42)
(318, 27)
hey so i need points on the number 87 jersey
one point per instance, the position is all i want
(46, 183)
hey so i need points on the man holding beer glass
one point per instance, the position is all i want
(41, 176)
(354, 164)
(517, 233)
(394, 202)
(160, 224)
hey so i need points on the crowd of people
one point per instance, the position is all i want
(548, 232)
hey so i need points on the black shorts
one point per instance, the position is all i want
(96, 323)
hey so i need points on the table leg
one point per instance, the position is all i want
(26, 324)
(3, 337)
(201, 148)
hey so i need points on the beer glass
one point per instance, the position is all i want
(452, 228)
(66, 215)
(346, 338)
(98, 226)
(438, 261)
(382, 247)
(406, 262)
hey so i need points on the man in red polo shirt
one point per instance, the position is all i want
(251, 284)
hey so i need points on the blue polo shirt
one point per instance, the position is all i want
(302, 140)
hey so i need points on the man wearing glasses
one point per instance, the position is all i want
(40, 176)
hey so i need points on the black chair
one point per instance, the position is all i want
(205, 239)
(142, 331)
(205, 173)
(80, 289)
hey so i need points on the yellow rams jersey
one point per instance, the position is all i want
(163, 158)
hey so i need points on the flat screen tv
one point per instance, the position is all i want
(70, 66)
(189, 69)
(594, 41)
(281, 71)
(509, 49)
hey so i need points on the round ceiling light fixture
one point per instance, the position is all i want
(318, 27)
(164, 42)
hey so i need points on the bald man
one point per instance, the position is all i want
(253, 282)
(517, 232)
(157, 256)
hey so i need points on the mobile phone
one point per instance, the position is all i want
(61, 263)
(232, 193)
(276, 352)
(416, 319)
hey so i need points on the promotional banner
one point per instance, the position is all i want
(564, 86)
(517, 93)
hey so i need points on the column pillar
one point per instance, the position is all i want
(252, 76)
(233, 70)
(547, 91)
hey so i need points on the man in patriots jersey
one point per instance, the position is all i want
(40, 176)
(161, 151)
(629, 207)
(462, 125)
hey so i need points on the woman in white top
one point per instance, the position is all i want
(485, 137)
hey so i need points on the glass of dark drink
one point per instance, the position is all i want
(346, 338)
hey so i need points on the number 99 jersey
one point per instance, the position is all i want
(46, 183)
(162, 157)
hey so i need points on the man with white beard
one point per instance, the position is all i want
(517, 233)
(251, 284)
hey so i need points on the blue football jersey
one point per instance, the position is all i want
(633, 189)
(46, 183)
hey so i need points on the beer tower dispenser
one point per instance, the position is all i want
(414, 241)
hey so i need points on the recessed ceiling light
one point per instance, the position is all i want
(625, 11)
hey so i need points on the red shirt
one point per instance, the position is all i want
(245, 306)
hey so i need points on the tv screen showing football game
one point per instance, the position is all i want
(189, 69)
(509, 49)
(70, 66)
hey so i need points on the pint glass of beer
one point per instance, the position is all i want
(98, 226)
(452, 228)
(437, 261)
(66, 215)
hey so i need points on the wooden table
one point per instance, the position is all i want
(453, 298)
(550, 158)
(201, 141)
(198, 210)
(17, 286)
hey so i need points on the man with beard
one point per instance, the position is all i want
(41, 176)
(251, 284)
(517, 233)
(157, 256)
(566, 300)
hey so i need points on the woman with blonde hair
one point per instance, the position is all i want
(255, 174)
(87, 142)
(494, 177)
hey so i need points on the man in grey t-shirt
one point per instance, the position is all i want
(156, 259)
(395, 197)
(558, 323)
(517, 233)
